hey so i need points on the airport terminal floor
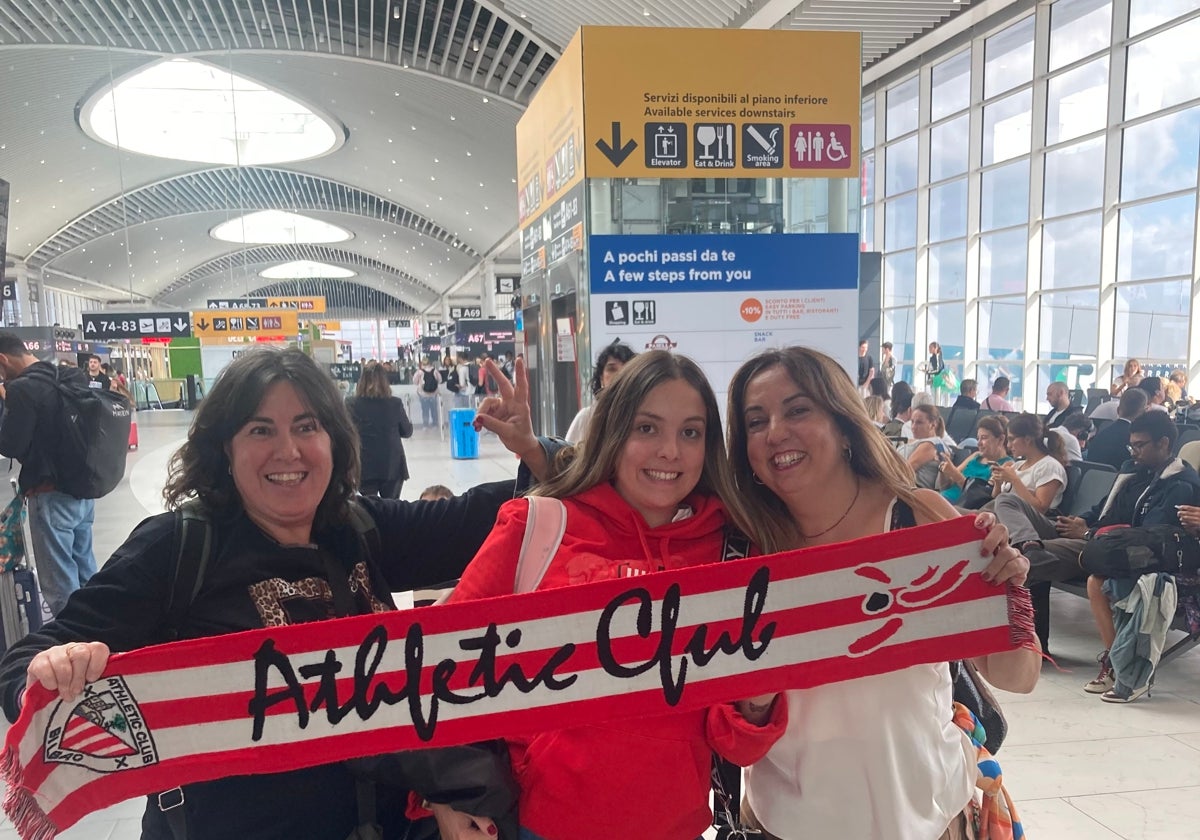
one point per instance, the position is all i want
(1079, 769)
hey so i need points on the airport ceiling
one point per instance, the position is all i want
(427, 93)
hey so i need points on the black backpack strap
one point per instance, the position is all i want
(193, 545)
(902, 516)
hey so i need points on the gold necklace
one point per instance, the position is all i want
(857, 489)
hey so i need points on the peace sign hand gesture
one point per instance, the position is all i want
(508, 417)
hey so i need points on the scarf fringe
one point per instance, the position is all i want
(1020, 618)
(20, 805)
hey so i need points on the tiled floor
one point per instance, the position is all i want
(1079, 769)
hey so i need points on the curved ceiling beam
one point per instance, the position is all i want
(467, 42)
(239, 190)
(245, 263)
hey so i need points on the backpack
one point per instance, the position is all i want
(452, 382)
(429, 382)
(473, 375)
(90, 438)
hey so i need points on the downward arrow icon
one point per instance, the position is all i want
(180, 325)
(202, 324)
(616, 153)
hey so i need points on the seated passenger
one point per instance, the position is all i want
(998, 399)
(1146, 492)
(1129, 378)
(645, 494)
(966, 395)
(1111, 444)
(969, 485)
(1025, 492)
(922, 451)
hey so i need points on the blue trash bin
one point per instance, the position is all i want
(464, 440)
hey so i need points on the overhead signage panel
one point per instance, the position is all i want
(114, 326)
(244, 323)
(550, 137)
(313, 303)
(720, 103)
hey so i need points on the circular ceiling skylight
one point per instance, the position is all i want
(188, 110)
(278, 227)
(304, 270)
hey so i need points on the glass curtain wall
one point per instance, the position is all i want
(1033, 190)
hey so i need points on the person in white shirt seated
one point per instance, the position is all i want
(1024, 493)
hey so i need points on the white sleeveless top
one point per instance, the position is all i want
(877, 758)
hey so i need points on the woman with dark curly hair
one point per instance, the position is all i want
(271, 463)
(608, 364)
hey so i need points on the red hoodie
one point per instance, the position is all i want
(647, 777)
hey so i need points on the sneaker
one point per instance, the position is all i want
(1105, 679)
(1114, 696)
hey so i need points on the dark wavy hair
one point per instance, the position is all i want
(621, 352)
(200, 468)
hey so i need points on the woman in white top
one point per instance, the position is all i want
(1026, 492)
(608, 364)
(876, 758)
(1129, 379)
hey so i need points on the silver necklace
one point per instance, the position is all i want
(857, 488)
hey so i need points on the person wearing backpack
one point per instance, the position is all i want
(427, 388)
(52, 440)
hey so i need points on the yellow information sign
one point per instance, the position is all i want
(720, 103)
(550, 138)
(245, 323)
(314, 304)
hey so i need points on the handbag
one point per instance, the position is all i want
(971, 690)
(12, 535)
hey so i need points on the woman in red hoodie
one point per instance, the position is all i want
(642, 494)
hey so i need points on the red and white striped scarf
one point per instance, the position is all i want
(189, 711)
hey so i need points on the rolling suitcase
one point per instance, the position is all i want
(20, 601)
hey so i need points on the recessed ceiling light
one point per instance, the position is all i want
(189, 110)
(277, 227)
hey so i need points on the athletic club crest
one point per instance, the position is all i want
(102, 731)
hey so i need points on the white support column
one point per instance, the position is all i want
(1106, 366)
(1031, 387)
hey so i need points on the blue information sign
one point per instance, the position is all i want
(657, 264)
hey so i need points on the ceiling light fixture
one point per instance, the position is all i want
(278, 227)
(182, 109)
(396, 12)
(475, 45)
(304, 269)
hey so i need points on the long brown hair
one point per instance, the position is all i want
(373, 382)
(757, 510)
(594, 460)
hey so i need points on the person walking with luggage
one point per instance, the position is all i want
(60, 525)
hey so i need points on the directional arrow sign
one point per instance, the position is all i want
(615, 152)
(202, 324)
(116, 326)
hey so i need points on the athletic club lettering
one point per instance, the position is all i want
(104, 731)
(634, 613)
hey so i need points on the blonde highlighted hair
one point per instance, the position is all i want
(756, 509)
